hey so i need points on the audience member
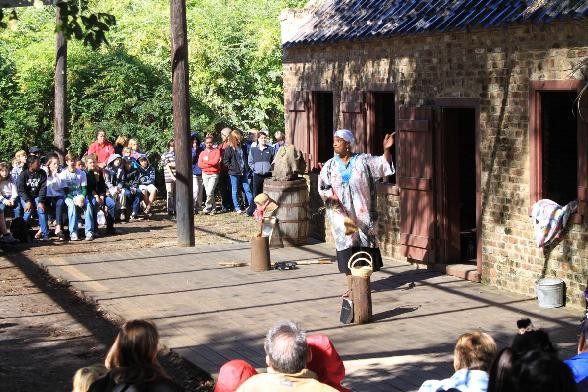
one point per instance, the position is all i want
(542, 371)
(279, 137)
(32, 190)
(325, 361)
(260, 160)
(209, 162)
(132, 362)
(532, 340)
(114, 178)
(234, 158)
(101, 148)
(147, 183)
(8, 199)
(472, 357)
(97, 198)
(579, 363)
(120, 143)
(134, 146)
(131, 187)
(85, 376)
(500, 375)
(224, 183)
(232, 374)
(126, 152)
(168, 161)
(55, 195)
(286, 357)
(74, 182)
(197, 188)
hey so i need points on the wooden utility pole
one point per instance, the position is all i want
(181, 116)
(59, 118)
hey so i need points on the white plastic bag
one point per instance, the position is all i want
(100, 217)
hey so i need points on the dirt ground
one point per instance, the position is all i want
(47, 331)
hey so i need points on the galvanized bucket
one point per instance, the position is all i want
(549, 292)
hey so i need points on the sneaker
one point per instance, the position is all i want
(213, 212)
(44, 239)
(240, 212)
(73, 237)
(122, 215)
(133, 217)
(90, 236)
(148, 210)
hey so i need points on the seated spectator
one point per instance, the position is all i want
(501, 372)
(32, 190)
(542, 371)
(85, 376)
(55, 194)
(473, 354)
(119, 144)
(131, 188)
(579, 363)
(134, 146)
(97, 197)
(126, 152)
(168, 161)
(531, 340)
(114, 177)
(325, 361)
(147, 183)
(132, 361)
(74, 182)
(8, 199)
(232, 374)
(18, 163)
(101, 148)
(286, 356)
(80, 165)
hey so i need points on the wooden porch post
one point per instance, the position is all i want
(59, 117)
(181, 120)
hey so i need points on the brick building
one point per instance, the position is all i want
(483, 96)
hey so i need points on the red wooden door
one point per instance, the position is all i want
(353, 112)
(415, 179)
(299, 123)
(583, 158)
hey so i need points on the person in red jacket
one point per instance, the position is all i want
(102, 148)
(209, 161)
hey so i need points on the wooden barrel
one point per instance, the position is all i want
(292, 212)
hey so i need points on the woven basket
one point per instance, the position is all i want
(364, 271)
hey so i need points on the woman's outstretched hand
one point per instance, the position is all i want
(388, 140)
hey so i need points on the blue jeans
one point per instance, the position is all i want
(55, 203)
(42, 217)
(17, 209)
(135, 199)
(235, 181)
(110, 210)
(72, 216)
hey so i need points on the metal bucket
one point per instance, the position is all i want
(549, 292)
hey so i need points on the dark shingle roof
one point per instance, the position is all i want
(336, 20)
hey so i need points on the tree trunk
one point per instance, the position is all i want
(362, 299)
(181, 117)
(59, 118)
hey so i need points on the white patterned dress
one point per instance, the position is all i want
(354, 186)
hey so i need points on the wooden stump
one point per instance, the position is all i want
(260, 255)
(362, 299)
(292, 212)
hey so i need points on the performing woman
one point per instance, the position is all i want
(347, 185)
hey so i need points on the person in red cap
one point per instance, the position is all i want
(325, 361)
(232, 374)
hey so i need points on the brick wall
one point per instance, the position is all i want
(494, 66)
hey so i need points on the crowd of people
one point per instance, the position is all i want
(117, 183)
(300, 362)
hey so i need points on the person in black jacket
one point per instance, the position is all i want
(97, 196)
(132, 361)
(32, 190)
(235, 159)
(131, 187)
(260, 160)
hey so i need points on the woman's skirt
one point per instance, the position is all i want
(344, 255)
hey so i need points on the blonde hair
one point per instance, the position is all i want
(133, 141)
(126, 149)
(20, 153)
(85, 376)
(474, 351)
(121, 140)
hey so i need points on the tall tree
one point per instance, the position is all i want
(59, 116)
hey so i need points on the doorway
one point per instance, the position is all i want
(323, 128)
(381, 121)
(458, 185)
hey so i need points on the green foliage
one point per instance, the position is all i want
(125, 88)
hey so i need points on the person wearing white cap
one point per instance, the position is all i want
(347, 185)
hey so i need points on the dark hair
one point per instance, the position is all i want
(132, 359)
(541, 371)
(533, 340)
(32, 159)
(500, 374)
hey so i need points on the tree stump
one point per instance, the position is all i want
(362, 299)
(260, 255)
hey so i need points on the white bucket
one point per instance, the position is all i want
(549, 292)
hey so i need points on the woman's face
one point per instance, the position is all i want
(90, 164)
(3, 172)
(134, 145)
(339, 146)
(53, 166)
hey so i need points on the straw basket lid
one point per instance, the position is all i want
(356, 264)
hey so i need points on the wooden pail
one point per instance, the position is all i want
(292, 212)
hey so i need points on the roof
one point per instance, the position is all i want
(337, 20)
